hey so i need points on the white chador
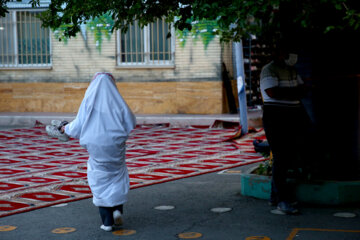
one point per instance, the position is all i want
(103, 124)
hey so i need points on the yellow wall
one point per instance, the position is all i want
(193, 85)
(144, 97)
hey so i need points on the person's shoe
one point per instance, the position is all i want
(52, 131)
(106, 228)
(287, 208)
(274, 203)
(118, 221)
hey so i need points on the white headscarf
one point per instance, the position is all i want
(104, 120)
(103, 123)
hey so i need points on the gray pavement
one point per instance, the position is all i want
(192, 199)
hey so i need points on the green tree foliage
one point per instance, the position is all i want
(234, 18)
(204, 29)
(101, 27)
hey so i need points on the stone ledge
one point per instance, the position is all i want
(180, 120)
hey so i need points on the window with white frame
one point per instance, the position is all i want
(23, 42)
(148, 46)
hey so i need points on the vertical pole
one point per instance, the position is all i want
(136, 26)
(16, 61)
(240, 78)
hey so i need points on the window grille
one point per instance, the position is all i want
(148, 46)
(23, 42)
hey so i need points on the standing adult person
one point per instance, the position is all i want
(284, 119)
(103, 124)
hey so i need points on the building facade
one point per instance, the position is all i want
(155, 74)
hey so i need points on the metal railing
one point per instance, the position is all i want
(148, 46)
(23, 42)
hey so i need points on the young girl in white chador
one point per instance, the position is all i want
(103, 124)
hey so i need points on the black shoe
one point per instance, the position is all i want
(287, 208)
(274, 203)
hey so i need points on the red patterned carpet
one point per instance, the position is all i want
(37, 171)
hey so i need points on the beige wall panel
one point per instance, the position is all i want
(147, 98)
(6, 105)
(38, 90)
(199, 98)
(71, 105)
(27, 105)
(143, 98)
(6, 91)
(53, 105)
(74, 90)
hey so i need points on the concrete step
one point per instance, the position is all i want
(30, 118)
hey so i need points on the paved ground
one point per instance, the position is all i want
(193, 200)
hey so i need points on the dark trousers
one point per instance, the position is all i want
(106, 214)
(286, 130)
